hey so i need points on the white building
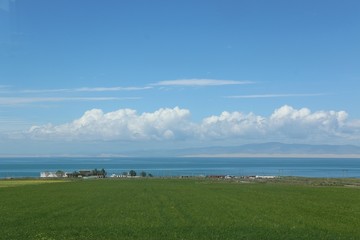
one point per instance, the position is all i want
(265, 177)
(51, 175)
(48, 175)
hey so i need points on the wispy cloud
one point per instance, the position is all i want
(45, 90)
(278, 95)
(9, 124)
(200, 82)
(111, 89)
(86, 89)
(25, 100)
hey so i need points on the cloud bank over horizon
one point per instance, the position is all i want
(166, 124)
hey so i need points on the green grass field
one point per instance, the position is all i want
(178, 209)
(22, 182)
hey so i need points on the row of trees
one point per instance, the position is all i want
(100, 173)
(133, 173)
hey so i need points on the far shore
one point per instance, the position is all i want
(222, 155)
(274, 155)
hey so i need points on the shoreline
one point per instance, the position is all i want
(221, 155)
(275, 155)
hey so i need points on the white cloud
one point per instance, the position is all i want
(278, 95)
(235, 124)
(303, 123)
(59, 90)
(86, 89)
(284, 123)
(200, 82)
(27, 100)
(110, 89)
(174, 124)
(124, 124)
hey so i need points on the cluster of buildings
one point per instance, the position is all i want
(242, 177)
(123, 176)
(230, 177)
(76, 174)
(132, 174)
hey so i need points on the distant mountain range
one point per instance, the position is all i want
(263, 150)
(271, 148)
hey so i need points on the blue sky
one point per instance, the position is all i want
(273, 66)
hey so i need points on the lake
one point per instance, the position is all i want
(306, 167)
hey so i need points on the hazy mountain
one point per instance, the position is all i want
(253, 149)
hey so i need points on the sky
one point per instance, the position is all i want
(106, 77)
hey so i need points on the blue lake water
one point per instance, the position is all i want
(306, 167)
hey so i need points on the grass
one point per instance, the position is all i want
(178, 209)
(22, 182)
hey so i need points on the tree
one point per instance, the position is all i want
(143, 174)
(103, 172)
(132, 173)
(150, 175)
(95, 172)
(60, 173)
(75, 174)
